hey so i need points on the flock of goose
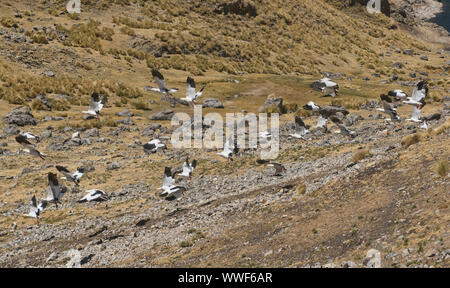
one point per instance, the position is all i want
(170, 190)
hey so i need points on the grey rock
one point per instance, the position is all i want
(212, 103)
(10, 130)
(163, 115)
(20, 116)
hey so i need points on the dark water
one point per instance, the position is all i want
(443, 19)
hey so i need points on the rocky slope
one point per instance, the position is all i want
(378, 199)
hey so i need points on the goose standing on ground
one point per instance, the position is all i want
(35, 209)
(191, 95)
(95, 105)
(94, 195)
(228, 150)
(22, 140)
(279, 168)
(300, 128)
(154, 146)
(75, 177)
(311, 106)
(187, 169)
(55, 190)
(159, 80)
(30, 136)
(388, 108)
(419, 93)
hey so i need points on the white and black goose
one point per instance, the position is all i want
(72, 177)
(300, 128)
(228, 150)
(397, 94)
(419, 93)
(35, 209)
(30, 136)
(168, 180)
(95, 105)
(311, 106)
(170, 190)
(55, 190)
(159, 80)
(94, 195)
(191, 94)
(154, 146)
(28, 147)
(188, 168)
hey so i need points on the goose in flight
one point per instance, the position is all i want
(279, 168)
(170, 190)
(154, 146)
(419, 93)
(397, 94)
(94, 195)
(228, 150)
(311, 106)
(35, 209)
(174, 192)
(188, 168)
(30, 136)
(191, 95)
(388, 108)
(159, 80)
(55, 190)
(95, 105)
(300, 128)
(75, 177)
(168, 180)
(22, 140)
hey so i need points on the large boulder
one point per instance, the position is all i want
(212, 103)
(20, 116)
(163, 115)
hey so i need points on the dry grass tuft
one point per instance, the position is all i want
(411, 140)
(442, 168)
(360, 155)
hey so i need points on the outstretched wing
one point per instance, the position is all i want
(94, 102)
(420, 91)
(168, 180)
(102, 103)
(159, 79)
(190, 88)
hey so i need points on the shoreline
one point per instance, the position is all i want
(416, 18)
